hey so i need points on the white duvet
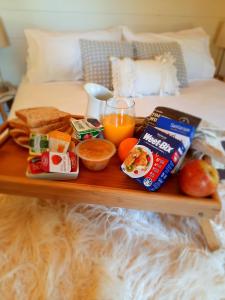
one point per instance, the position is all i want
(205, 99)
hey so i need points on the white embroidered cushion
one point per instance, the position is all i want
(144, 77)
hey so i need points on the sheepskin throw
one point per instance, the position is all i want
(61, 251)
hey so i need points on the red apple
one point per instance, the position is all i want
(198, 178)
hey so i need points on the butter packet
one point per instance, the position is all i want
(87, 128)
(38, 143)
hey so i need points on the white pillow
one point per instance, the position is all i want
(194, 44)
(144, 77)
(55, 56)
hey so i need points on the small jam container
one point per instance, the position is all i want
(95, 153)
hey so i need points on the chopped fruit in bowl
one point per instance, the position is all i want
(198, 178)
(95, 153)
(125, 146)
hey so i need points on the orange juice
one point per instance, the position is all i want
(117, 127)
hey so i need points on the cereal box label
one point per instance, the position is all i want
(157, 142)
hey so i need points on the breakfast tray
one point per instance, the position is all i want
(109, 187)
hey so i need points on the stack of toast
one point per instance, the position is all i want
(40, 120)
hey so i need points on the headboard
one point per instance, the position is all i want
(139, 15)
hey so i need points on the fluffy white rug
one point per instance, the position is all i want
(55, 251)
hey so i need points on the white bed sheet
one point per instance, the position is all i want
(205, 99)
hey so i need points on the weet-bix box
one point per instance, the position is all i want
(170, 113)
(151, 161)
(180, 131)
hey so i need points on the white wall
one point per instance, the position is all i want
(154, 15)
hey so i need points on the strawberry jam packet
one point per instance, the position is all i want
(34, 165)
(39, 167)
(58, 162)
(151, 161)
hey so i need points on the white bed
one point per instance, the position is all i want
(75, 248)
(205, 99)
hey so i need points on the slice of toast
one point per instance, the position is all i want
(15, 132)
(52, 126)
(18, 124)
(64, 128)
(41, 116)
(22, 141)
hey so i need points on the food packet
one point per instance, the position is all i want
(38, 143)
(87, 128)
(58, 162)
(34, 165)
(59, 141)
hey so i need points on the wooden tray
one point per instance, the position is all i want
(109, 187)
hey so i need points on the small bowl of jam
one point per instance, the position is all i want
(95, 153)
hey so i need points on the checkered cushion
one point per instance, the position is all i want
(150, 50)
(96, 59)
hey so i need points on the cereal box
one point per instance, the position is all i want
(180, 131)
(171, 114)
(151, 161)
